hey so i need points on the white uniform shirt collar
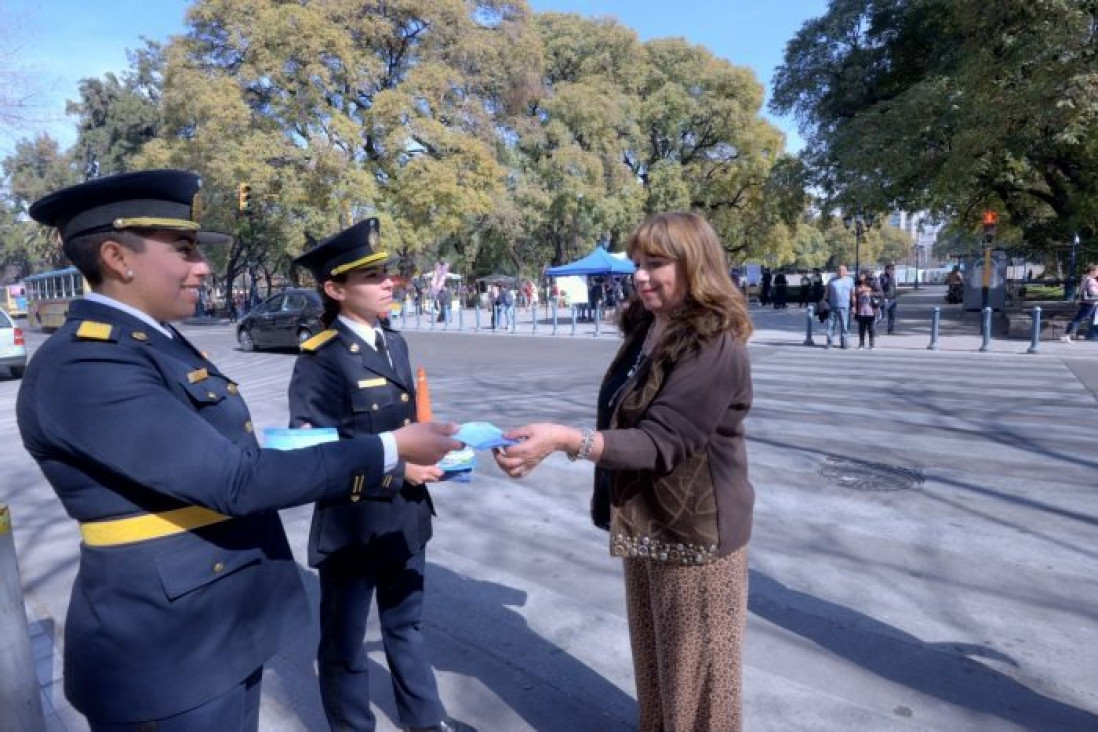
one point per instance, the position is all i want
(366, 332)
(129, 310)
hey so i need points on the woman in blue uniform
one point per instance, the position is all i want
(186, 583)
(356, 377)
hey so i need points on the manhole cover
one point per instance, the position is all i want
(862, 475)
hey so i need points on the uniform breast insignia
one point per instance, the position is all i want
(198, 375)
(140, 335)
(91, 330)
(319, 340)
(372, 383)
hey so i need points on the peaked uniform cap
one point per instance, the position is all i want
(148, 199)
(352, 248)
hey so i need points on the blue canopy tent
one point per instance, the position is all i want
(598, 262)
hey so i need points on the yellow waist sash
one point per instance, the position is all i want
(148, 526)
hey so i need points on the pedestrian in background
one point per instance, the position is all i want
(840, 296)
(670, 433)
(186, 583)
(888, 293)
(1088, 301)
(867, 302)
(356, 377)
(781, 291)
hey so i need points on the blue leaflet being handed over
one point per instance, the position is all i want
(286, 438)
(482, 436)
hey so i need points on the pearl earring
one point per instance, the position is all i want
(129, 275)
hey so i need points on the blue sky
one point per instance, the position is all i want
(58, 42)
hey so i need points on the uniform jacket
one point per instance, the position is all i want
(125, 421)
(341, 382)
(676, 456)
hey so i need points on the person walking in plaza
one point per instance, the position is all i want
(186, 583)
(670, 433)
(356, 377)
(867, 301)
(805, 290)
(781, 290)
(888, 293)
(445, 299)
(1088, 302)
(840, 297)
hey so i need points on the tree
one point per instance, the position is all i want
(954, 106)
(36, 168)
(118, 116)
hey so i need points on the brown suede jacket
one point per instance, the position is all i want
(675, 454)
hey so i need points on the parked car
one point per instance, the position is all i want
(284, 320)
(13, 347)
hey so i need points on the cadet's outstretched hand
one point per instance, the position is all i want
(419, 474)
(536, 442)
(425, 443)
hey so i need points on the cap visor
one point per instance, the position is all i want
(213, 238)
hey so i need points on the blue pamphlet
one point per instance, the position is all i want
(458, 465)
(482, 436)
(288, 438)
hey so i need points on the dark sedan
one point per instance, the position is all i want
(284, 320)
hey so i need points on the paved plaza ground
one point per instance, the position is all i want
(923, 554)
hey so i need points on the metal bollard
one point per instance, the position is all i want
(554, 316)
(809, 314)
(985, 328)
(418, 313)
(404, 316)
(461, 318)
(1035, 331)
(935, 320)
(476, 316)
(432, 318)
(573, 320)
(513, 313)
(598, 318)
(533, 319)
(20, 697)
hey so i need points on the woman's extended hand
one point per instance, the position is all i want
(536, 442)
(420, 474)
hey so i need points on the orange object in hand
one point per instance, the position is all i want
(423, 397)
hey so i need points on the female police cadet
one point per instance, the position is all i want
(186, 582)
(356, 377)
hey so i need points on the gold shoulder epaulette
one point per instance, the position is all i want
(319, 340)
(91, 330)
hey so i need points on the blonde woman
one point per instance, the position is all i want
(671, 480)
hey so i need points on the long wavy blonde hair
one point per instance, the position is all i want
(713, 303)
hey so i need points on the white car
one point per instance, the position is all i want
(13, 348)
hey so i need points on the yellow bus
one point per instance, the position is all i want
(13, 299)
(49, 295)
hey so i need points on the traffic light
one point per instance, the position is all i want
(991, 222)
(243, 197)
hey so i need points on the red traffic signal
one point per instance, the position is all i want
(991, 218)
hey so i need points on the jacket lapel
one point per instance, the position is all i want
(367, 354)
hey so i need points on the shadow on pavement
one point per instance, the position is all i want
(941, 670)
(472, 632)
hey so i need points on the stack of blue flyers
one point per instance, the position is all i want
(458, 465)
(287, 438)
(482, 436)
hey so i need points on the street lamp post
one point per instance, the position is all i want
(860, 223)
(990, 223)
(917, 251)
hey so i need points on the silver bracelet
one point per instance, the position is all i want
(587, 443)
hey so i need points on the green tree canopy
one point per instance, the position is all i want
(953, 106)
